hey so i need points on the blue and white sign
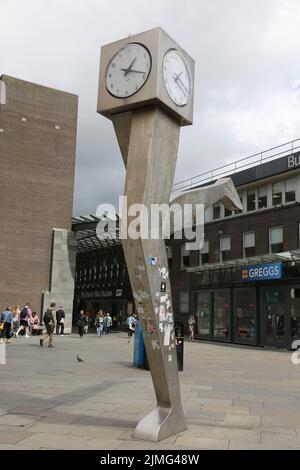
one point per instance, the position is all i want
(262, 272)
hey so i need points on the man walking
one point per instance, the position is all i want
(49, 321)
(60, 321)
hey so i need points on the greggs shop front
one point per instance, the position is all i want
(257, 304)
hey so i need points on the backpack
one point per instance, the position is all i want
(24, 313)
(47, 318)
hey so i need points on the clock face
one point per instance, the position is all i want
(128, 70)
(177, 77)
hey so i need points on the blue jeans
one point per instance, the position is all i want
(99, 330)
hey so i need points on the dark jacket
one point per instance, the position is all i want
(80, 322)
(59, 315)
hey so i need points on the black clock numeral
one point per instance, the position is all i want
(113, 65)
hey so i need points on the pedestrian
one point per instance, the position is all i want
(6, 321)
(34, 323)
(49, 319)
(16, 319)
(191, 323)
(60, 321)
(99, 323)
(80, 323)
(86, 322)
(107, 323)
(25, 314)
(130, 325)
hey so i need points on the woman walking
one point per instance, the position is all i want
(191, 322)
(16, 319)
(99, 323)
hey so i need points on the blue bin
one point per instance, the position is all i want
(139, 347)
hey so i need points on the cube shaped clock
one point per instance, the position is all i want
(146, 69)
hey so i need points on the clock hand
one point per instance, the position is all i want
(126, 71)
(133, 71)
(178, 79)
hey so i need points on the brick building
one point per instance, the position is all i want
(37, 161)
(243, 286)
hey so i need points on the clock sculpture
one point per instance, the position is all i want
(146, 89)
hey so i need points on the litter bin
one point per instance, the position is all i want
(179, 339)
(139, 348)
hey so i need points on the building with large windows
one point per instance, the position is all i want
(243, 286)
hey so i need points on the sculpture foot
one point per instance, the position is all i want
(159, 424)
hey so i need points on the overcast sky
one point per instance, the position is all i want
(247, 86)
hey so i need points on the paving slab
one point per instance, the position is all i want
(50, 403)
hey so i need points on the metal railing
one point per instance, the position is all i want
(247, 162)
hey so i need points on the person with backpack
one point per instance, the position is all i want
(25, 314)
(49, 322)
(60, 321)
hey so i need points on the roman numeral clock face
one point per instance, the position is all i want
(128, 70)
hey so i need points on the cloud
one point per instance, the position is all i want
(247, 69)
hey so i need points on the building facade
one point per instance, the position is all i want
(243, 286)
(37, 160)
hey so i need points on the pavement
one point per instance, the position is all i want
(234, 397)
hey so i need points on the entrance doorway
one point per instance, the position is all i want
(275, 321)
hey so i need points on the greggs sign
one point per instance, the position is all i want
(262, 272)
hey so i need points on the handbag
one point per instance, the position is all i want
(1, 326)
(62, 320)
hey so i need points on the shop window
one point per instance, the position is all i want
(202, 309)
(217, 211)
(277, 193)
(295, 313)
(184, 302)
(248, 244)
(204, 253)
(275, 239)
(263, 197)
(290, 190)
(251, 200)
(245, 315)
(221, 313)
(185, 256)
(225, 248)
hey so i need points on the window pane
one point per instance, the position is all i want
(221, 313)
(239, 211)
(227, 212)
(217, 211)
(251, 200)
(184, 302)
(290, 190)
(245, 315)
(276, 235)
(262, 197)
(295, 313)
(249, 239)
(203, 313)
(208, 214)
(205, 248)
(276, 194)
(225, 243)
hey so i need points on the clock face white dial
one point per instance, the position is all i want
(177, 77)
(128, 70)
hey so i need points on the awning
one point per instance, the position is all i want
(290, 257)
(90, 236)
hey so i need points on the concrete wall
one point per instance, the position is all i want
(37, 160)
(62, 274)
